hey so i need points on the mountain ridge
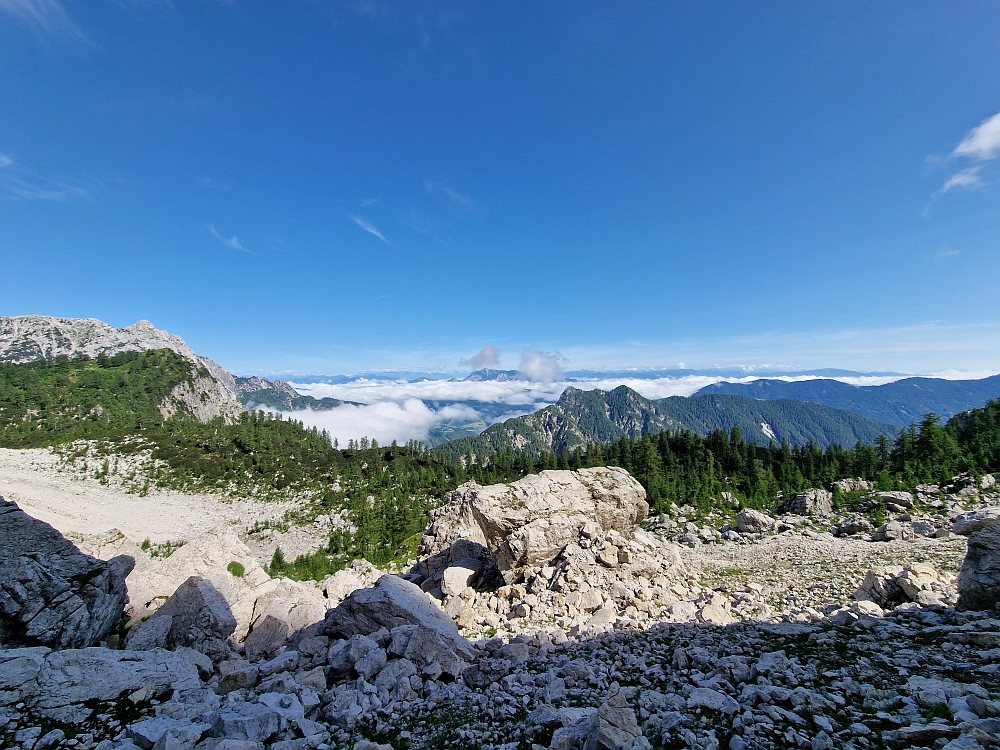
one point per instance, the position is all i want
(899, 403)
(581, 418)
(255, 392)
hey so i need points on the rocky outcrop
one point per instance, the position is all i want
(529, 522)
(51, 594)
(261, 393)
(979, 578)
(360, 574)
(393, 602)
(69, 686)
(202, 398)
(31, 337)
(896, 501)
(451, 521)
(889, 586)
(249, 596)
(197, 616)
(853, 485)
(814, 502)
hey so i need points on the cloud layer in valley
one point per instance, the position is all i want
(398, 409)
(385, 421)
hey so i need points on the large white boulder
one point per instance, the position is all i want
(813, 502)
(530, 521)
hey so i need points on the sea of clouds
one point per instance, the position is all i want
(405, 410)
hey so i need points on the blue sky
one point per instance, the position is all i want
(328, 187)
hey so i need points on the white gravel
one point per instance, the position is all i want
(81, 505)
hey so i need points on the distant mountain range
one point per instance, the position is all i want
(899, 403)
(582, 418)
(256, 393)
(487, 374)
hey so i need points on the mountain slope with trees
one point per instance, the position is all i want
(583, 418)
(898, 403)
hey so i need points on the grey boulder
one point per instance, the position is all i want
(246, 721)
(391, 603)
(750, 521)
(979, 578)
(813, 502)
(973, 521)
(51, 594)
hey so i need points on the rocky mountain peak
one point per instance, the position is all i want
(26, 338)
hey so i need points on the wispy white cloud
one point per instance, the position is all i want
(5, 161)
(968, 179)
(232, 242)
(449, 191)
(944, 254)
(368, 227)
(368, 202)
(43, 17)
(983, 141)
(42, 190)
(488, 356)
(980, 144)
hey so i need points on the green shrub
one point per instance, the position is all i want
(236, 569)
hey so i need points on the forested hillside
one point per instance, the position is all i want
(898, 403)
(583, 418)
(685, 468)
(54, 400)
